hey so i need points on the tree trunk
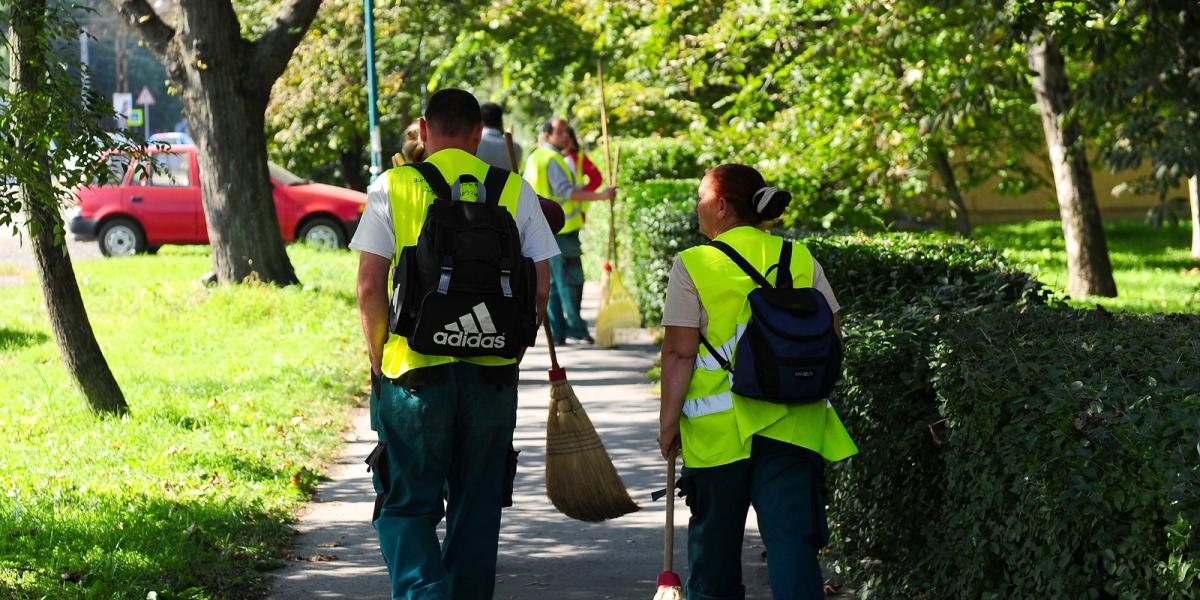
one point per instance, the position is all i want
(958, 206)
(350, 163)
(231, 148)
(68, 319)
(225, 82)
(1194, 200)
(1088, 266)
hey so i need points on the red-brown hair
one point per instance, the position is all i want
(738, 184)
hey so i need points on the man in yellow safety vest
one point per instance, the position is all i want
(445, 424)
(547, 171)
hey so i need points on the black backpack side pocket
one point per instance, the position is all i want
(405, 289)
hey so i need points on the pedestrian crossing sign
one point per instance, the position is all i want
(135, 117)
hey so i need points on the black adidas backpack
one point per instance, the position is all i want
(465, 289)
(789, 352)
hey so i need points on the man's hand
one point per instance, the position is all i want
(609, 193)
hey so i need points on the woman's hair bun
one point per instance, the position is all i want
(769, 201)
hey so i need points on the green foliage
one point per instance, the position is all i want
(317, 122)
(1152, 267)
(1072, 470)
(191, 496)
(643, 159)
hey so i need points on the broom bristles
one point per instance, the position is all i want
(668, 593)
(619, 312)
(581, 480)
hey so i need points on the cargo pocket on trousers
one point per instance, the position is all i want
(378, 467)
(510, 477)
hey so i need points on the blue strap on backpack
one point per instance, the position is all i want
(789, 352)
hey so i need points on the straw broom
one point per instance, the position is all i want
(617, 307)
(620, 311)
(581, 480)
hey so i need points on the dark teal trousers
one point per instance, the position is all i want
(783, 483)
(566, 290)
(446, 434)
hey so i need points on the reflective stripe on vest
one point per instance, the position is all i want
(536, 173)
(410, 198)
(718, 425)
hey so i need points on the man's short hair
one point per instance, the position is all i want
(493, 115)
(453, 112)
(548, 126)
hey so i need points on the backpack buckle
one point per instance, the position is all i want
(506, 282)
(444, 279)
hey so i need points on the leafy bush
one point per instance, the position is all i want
(660, 217)
(644, 159)
(895, 291)
(1071, 456)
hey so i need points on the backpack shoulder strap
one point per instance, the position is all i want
(741, 262)
(493, 185)
(433, 177)
(783, 277)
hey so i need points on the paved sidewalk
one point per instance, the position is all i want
(543, 554)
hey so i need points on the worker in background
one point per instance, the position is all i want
(492, 148)
(547, 170)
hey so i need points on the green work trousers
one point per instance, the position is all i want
(566, 290)
(784, 483)
(446, 436)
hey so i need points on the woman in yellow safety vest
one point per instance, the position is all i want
(739, 451)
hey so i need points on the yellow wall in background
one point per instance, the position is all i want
(987, 206)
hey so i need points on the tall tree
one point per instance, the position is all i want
(225, 81)
(51, 143)
(1088, 267)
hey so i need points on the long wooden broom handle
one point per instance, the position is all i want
(512, 160)
(608, 162)
(612, 208)
(669, 538)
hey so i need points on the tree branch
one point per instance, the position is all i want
(141, 16)
(273, 49)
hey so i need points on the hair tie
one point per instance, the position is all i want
(762, 198)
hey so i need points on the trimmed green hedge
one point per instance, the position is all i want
(644, 159)
(1072, 456)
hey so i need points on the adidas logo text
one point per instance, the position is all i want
(472, 330)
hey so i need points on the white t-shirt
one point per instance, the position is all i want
(683, 309)
(376, 235)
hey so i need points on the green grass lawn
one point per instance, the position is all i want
(236, 397)
(1152, 267)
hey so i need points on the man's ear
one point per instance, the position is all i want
(424, 127)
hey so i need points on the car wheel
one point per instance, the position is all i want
(323, 234)
(121, 237)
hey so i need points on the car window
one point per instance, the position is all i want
(117, 165)
(284, 176)
(171, 170)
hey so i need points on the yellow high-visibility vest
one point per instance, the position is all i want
(410, 198)
(535, 173)
(717, 424)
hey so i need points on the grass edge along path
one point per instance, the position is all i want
(238, 396)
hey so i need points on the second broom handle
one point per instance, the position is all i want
(669, 538)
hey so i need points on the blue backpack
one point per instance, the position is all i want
(789, 352)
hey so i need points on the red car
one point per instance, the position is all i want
(141, 214)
